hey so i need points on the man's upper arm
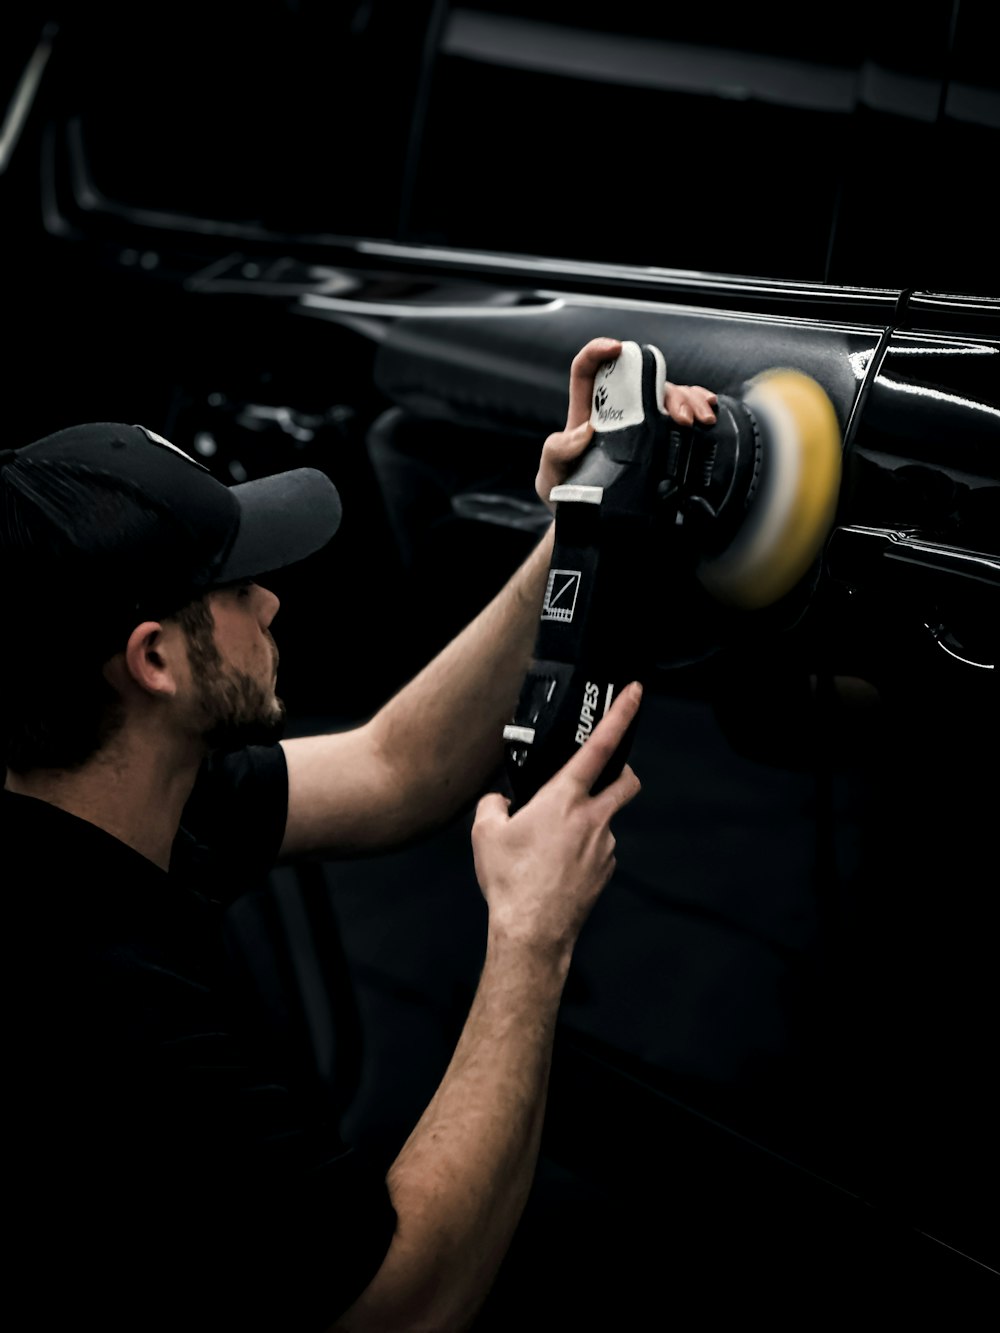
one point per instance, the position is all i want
(343, 795)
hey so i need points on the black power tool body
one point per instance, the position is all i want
(653, 504)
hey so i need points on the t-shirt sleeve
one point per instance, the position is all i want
(234, 822)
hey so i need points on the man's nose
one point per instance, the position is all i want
(269, 605)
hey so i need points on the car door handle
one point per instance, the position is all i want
(955, 592)
(443, 309)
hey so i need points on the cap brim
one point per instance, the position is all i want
(283, 519)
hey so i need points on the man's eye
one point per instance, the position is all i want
(244, 589)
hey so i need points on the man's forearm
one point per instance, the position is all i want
(461, 1180)
(442, 733)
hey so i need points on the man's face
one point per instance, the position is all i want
(234, 667)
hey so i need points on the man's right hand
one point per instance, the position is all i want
(542, 869)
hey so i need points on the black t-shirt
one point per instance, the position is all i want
(164, 1169)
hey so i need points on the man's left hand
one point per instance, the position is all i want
(686, 403)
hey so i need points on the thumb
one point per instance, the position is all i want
(492, 806)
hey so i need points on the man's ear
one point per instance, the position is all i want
(148, 659)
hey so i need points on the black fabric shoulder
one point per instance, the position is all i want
(234, 822)
(139, 1078)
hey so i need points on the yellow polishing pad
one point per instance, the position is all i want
(790, 515)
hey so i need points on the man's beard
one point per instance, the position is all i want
(240, 711)
(236, 709)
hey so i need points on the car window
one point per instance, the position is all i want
(709, 139)
(961, 250)
(697, 138)
(294, 117)
(691, 139)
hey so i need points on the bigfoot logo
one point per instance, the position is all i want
(605, 414)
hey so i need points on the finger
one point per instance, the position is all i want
(608, 869)
(616, 795)
(685, 402)
(581, 377)
(492, 807)
(565, 445)
(704, 401)
(676, 403)
(559, 453)
(690, 391)
(591, 759)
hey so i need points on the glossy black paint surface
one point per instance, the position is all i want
(926, 457)
(920, 506)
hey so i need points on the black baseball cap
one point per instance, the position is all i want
(120, 516)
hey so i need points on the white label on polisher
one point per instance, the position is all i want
(520, 735)
(582, 495)
(618, 389)
(560, 595)
(588, 713)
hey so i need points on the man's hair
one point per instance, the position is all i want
(62, 726)
(63, 722)
(57, 709)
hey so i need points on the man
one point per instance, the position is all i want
(168, 1170)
